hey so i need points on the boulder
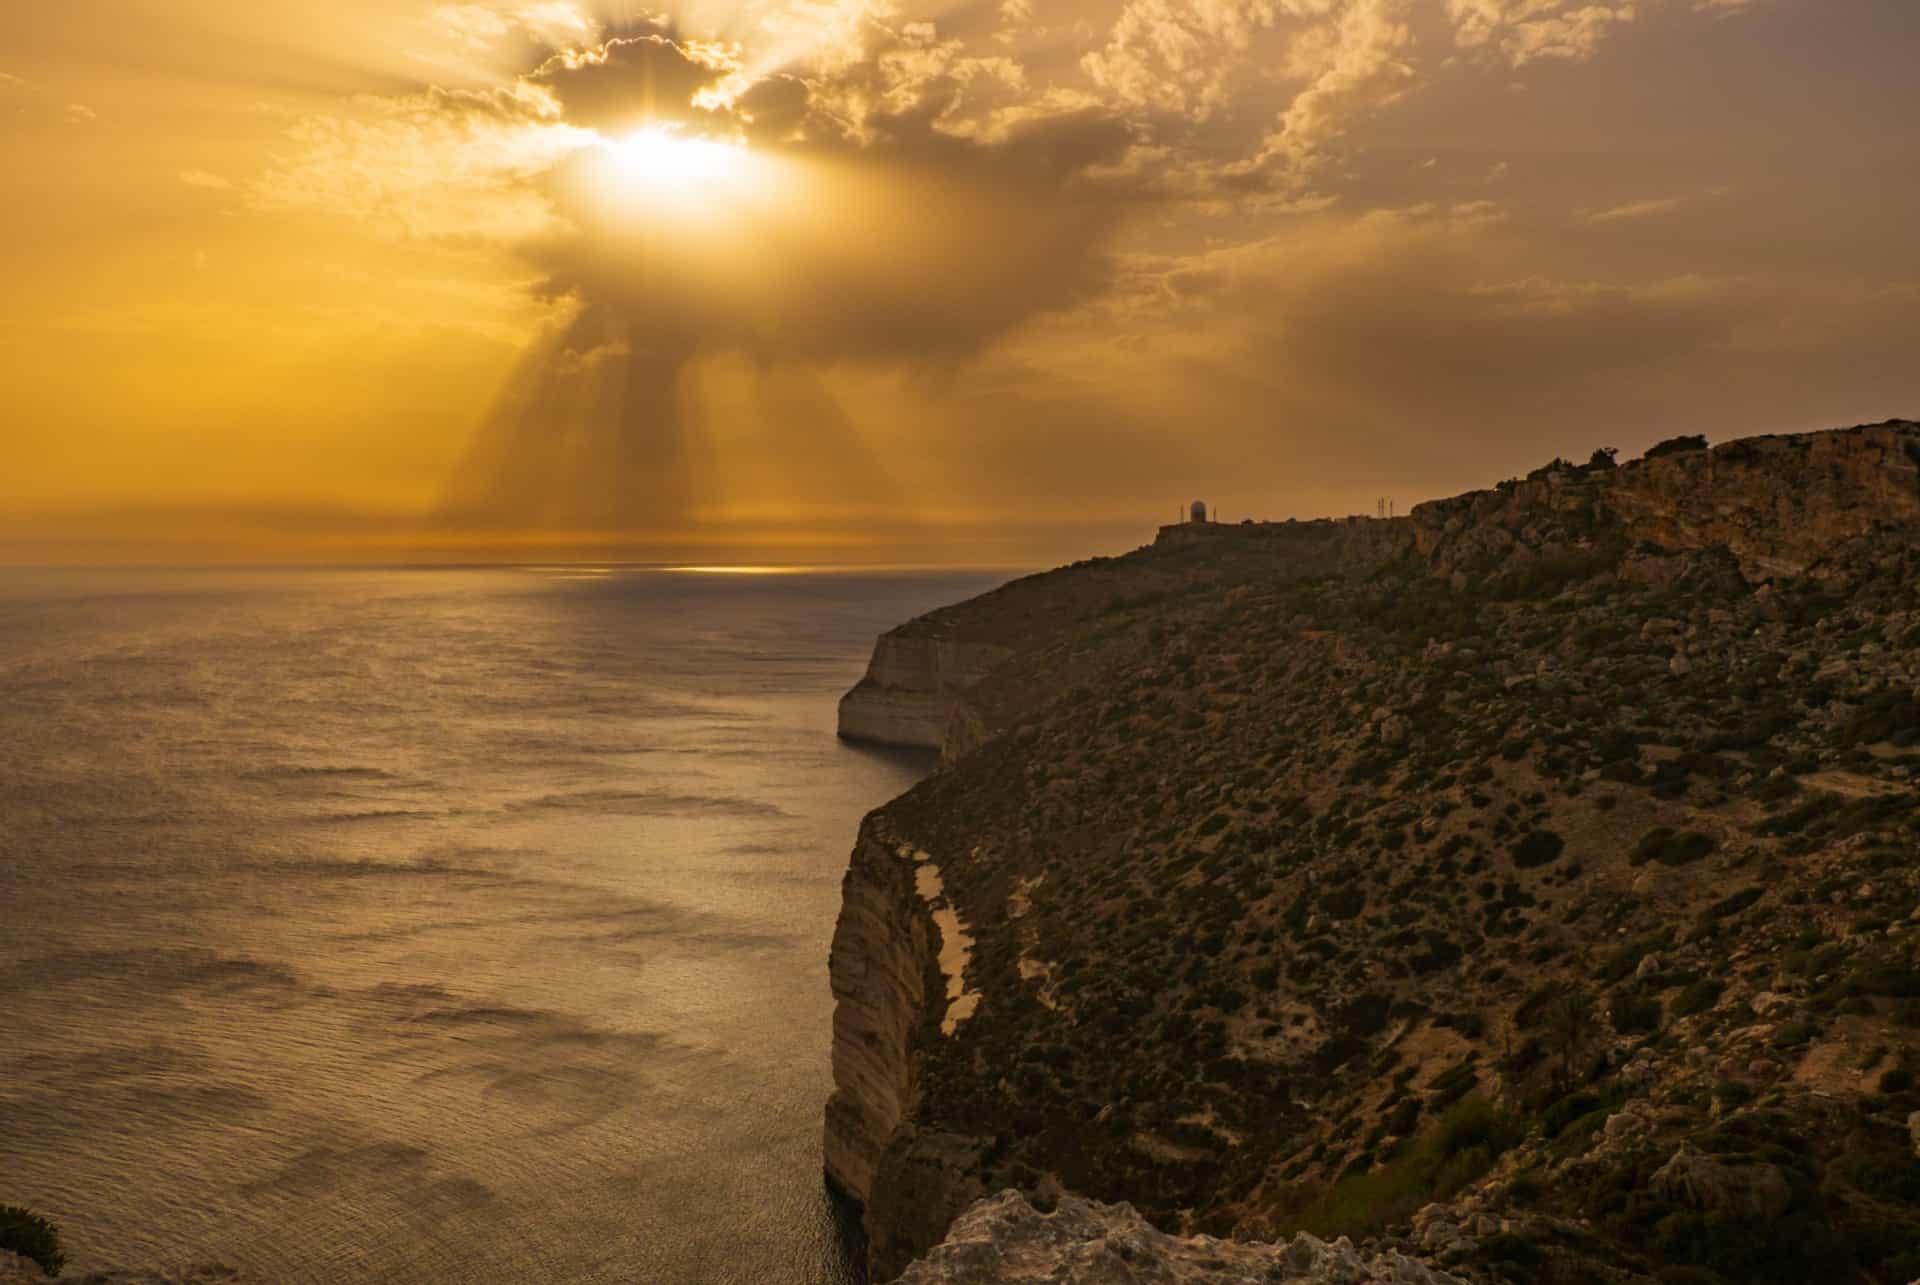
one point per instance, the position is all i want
(1746, 1189)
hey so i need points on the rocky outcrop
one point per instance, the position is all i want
(911, 685)
(1005, 1239)
(1777, 505)
(1748, 1189)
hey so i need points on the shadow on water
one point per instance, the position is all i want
(847, 1255)
(918, 761)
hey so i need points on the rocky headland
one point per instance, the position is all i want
(1526, 888)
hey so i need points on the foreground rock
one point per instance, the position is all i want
(1005, 1239)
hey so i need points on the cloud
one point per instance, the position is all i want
(1526, 31)
(1177, 55)
(622, 84)
(10, 81)
(206, 179)
(925, 202)
(80, 113)
(1653, 208)
(484, 27)
(860, 198)
(1352, 65)
(1343, 353)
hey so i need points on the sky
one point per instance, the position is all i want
(886, 281)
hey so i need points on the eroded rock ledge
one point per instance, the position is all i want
(1005, 1239)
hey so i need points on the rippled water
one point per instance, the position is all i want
(429, 925)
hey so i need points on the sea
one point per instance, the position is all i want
(432, 925)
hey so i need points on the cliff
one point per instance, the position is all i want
(1776, 503)
(910, 688)
(915, 691)
(1544, 857)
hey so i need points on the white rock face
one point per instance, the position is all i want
(1004, 1239)
(910, 688)
(882, 946)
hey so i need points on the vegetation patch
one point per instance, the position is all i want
(1538, 848)
(1469, 1137)
(1670, 848)
(32, 1237)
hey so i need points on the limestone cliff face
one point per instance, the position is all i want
(897, 969)
(884, 946)
(911, 685)
(1776, 503)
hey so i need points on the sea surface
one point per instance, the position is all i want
(430, 925)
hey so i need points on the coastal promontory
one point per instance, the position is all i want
(1528, 887)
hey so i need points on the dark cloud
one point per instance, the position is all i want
(629, 82)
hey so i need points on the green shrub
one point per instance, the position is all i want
(1464, 1145)
(1733, 905)
(1732, 1093)
(1796, 1033)
(1509, 1250)
(1885, 1174)
(1343, 903)
(1526, 1188)
(32, 1237)
(1687, 1275)
(1453, 1083)
(1677, 446)
(1669, 848)
(1697, 998)
(1538, 848)
(1635, 1015)
(1622, 962)
(1475, 1122)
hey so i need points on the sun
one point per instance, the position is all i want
(661, 161)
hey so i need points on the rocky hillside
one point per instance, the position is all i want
(1530, 885)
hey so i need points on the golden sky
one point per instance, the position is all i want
(861, 280)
